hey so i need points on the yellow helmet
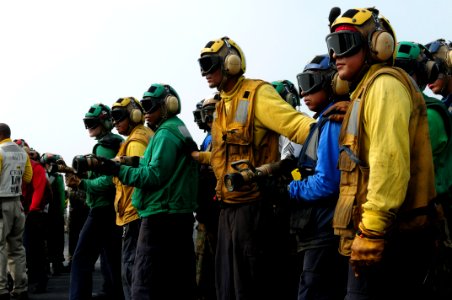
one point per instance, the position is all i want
(224, 53)
(375, 29)
(208, 108)
(127, 107)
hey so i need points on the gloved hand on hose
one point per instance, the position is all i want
(107, 166)
(71, 180)
(336, 112)
(367, 249)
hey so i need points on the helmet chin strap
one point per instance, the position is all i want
(224, 78)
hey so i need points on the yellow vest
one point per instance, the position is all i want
(355, 174)
(125, 212)
(233, 140)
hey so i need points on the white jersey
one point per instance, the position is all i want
(13, 168)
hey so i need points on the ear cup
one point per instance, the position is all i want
(136, 116)
(172, 104)
(105, 117)
(108, 124)
(290, 98)
(232, 64)
(381, 45)
(449, 59)
(340, 87)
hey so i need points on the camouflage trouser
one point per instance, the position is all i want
(205, 262)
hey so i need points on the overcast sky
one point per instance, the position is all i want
(59, 57)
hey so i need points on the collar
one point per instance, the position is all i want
(227, 96)
(6, 140)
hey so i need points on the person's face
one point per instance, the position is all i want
(438, 85)
(153, 118)
(122, 126)
(348, 67)
(96, 131)
(316, 101)
(214, 79)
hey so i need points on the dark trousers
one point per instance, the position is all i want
(77, 218)
(165, 259)
(402, 273)
(36, 249)
(324, 274)
(55, 239)
(245, 261)
(99, 234)
(130, 234)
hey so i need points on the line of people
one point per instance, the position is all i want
(352, 203)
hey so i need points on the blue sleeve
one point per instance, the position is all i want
(206, 142)
(325, 181)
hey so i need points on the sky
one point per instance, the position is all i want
(59, 57)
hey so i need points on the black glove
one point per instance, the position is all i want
(190, 146)
(133, 161)
(287, 165)
(337, 111)
(107, 166)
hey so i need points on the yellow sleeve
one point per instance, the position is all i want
(28, 174)
(272, 112)
(135, 148)
(387, 111)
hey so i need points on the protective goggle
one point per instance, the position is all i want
(119, 114)
(433, 47)
(150, 104)
(309, 82)
(209, 64)
(91, 123)
(344, 43)
(431, 69)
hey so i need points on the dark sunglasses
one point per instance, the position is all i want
(119, 114)
(309, 82)
(344, 43)
(91, 123)
(150, 104)
(209, 64)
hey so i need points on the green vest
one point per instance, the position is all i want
(443, 159)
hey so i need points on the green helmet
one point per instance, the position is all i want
(288, 92)
(98, 114)
(50, 158)
(161, 95)
(417, 60)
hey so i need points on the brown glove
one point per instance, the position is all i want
(71, 180)
(367, 250)
(336, 112)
